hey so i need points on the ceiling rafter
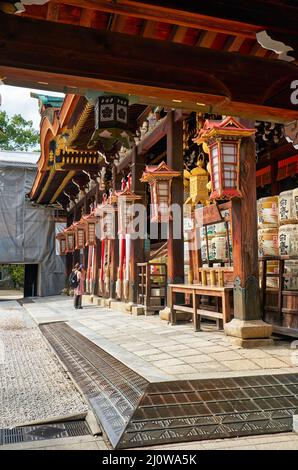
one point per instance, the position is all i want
(213, 15)
(115, 61)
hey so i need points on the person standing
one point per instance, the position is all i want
(80, 289)
(73, 280)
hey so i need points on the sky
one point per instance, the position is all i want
(16, 100)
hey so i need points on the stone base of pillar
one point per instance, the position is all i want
(180, 316)
(249, 333)
(101, 301)
(251, 343)
(165, 314)
(137, 310)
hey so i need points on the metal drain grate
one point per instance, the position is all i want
(112, 389)
(191, 410)
(135, 413)
(41, 432)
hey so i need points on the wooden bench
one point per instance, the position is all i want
(196, 290)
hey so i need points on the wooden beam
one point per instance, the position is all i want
(149, 29)
(159, 70)
(86, 18)
(280, 153)
(53, 11)
(214, 15)
(117, 23)
(259, 51)
(68, 177)
(179, 34)
(47, 185)
(234, 43)
(206, 39)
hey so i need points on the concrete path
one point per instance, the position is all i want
(159, 351)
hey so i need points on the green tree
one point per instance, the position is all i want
(17, 273)
(17, 133)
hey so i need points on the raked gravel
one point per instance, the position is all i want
(33, 385)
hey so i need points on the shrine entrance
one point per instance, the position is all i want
(30, 280)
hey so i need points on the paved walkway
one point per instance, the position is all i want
(159, 351)
(11, 294)
(286, 441)
(33, 384)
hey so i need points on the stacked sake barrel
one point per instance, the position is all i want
(268, 226)
(267, 211)
(288, 234)
(278, 233)
(217, 242)
(288, 223)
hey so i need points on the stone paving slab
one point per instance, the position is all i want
(144, 342)
(283, 441)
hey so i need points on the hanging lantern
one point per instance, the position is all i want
(160, 180)
(111, 122)
(125, 201)
(223, 139)
(79, 235)
(198, 179)
(90, 221)
(106, 214)
(61, 237)
(70, 239)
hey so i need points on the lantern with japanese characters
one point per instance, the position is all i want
(90, 221)
(79, 228)
(111, 122)
(223, 139)
(160, 180)
(70, 239)
(61, 237)
(126, 210)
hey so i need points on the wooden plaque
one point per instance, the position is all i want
(209, 214)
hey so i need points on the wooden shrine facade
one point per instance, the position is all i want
(204, 62)
(75, 173)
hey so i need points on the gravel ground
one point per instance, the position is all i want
(33, 385)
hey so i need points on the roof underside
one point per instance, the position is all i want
(138, 23)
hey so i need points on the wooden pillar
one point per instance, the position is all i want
(115, 242)
(85, 250)
(97, 246)
(244, 233)
(76, 253)
(195, 259)
(245, 256)
(275, 185)
(175, 161)
(137, 254)
(69, 256)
